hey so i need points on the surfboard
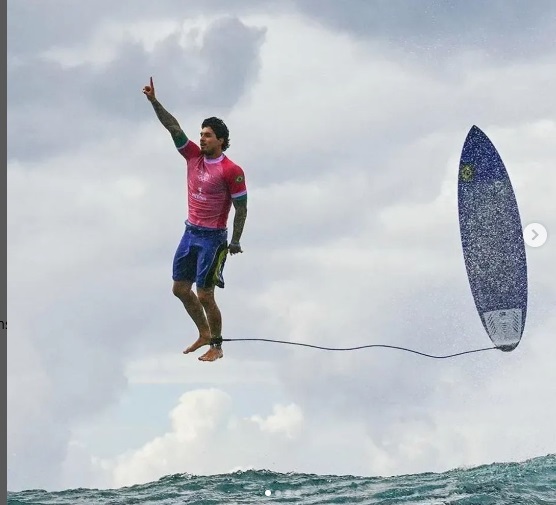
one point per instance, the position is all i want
(492, 241)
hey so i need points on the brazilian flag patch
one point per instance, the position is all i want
(466, 172)
(239, 178)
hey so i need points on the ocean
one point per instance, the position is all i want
(527, 483)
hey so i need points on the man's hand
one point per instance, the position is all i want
(234, 248)
(149, 91)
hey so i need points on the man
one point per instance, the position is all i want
(214, 182)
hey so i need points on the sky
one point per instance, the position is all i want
(348, 119)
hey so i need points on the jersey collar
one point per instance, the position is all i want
(214, 160)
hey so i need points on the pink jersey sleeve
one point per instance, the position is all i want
(189, 150)
(235, 179)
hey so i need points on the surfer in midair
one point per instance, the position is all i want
(214, 184)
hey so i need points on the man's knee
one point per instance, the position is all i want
(181, 288)
(205, 295)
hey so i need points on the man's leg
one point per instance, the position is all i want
(210, 265)
(214, 317)
(182, 289)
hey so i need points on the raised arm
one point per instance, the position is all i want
(168, 121)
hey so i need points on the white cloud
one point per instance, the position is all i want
(206, 437)
(285, 419)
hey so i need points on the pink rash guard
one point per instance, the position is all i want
(211, 186)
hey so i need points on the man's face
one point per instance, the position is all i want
(209, 144)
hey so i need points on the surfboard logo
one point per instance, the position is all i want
(466, 172)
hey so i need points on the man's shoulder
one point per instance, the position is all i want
(190, 151)
(234, 175)
(228, 164)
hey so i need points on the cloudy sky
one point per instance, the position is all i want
(348, 119)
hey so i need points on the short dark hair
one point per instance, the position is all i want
(220, 130)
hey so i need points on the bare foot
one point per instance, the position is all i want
(212, 354)
(200, 342)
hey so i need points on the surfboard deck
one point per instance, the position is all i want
(492, 241)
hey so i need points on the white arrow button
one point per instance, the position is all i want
(535, 235)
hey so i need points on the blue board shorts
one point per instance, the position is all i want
(200, 256)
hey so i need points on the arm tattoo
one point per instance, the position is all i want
(239, 220)
(168, 121)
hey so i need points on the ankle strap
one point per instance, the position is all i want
(216, 342)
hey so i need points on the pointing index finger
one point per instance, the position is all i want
(152, 85)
